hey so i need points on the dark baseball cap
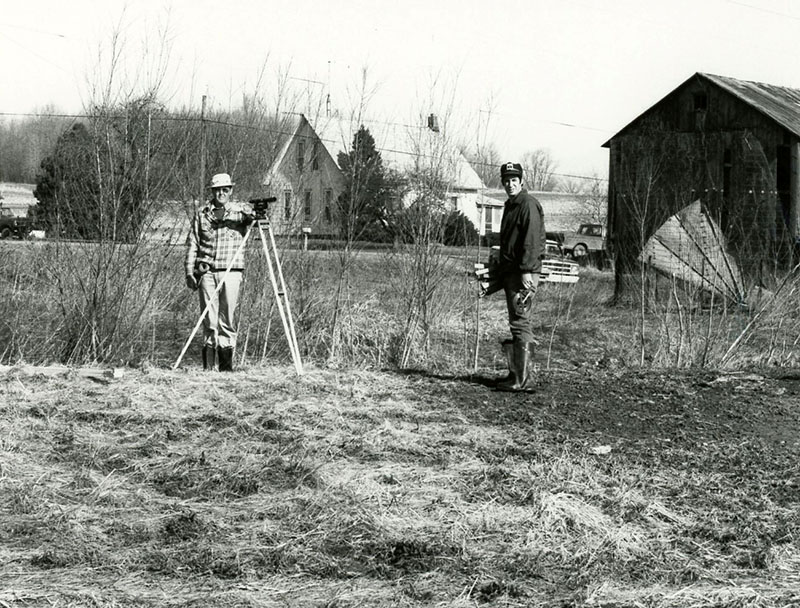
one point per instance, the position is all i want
(510, 170)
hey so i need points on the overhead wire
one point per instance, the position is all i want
(764, 10)
(262, 129)
(32, 52)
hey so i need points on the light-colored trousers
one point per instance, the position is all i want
(219, 325)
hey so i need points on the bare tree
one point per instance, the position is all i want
(25, 142)
(573, 185)
(485, 160)
(539, 167)
(419, 269)
(593, 194)
(341, 340)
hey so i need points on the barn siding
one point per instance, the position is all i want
(701, 142)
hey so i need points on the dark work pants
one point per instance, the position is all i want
(521, 325)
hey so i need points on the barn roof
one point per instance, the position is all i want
(781, 104)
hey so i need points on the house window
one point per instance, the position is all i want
(301, 154)
(328, 202)
(315, 156)
(487, 220)
(307, 204)
(454, 203)
(287, 204)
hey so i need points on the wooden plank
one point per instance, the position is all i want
(97, 373)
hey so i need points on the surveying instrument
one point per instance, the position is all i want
(262, 224)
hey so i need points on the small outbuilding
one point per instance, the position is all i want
(732, 145)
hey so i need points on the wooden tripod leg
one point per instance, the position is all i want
(282, 301)
(284, 291)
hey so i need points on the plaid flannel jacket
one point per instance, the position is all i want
(217, 241)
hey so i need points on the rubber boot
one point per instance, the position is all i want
(209, 356)
(508, 349)
(225, 359)
(523, 354)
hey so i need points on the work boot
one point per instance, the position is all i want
(209, 356)
(508, 349)
(225, 359)
(523, 354)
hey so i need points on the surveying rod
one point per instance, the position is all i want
(478, 301)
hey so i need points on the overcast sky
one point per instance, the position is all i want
(563, 75)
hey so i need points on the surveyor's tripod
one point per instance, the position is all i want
(278, 288)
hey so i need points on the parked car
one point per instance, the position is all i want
(13, 225)
(588, 239)
(555, 267)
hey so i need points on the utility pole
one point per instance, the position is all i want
(202, 192)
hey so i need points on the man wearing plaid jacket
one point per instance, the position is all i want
(214, 247)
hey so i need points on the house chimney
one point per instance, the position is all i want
(433, 123)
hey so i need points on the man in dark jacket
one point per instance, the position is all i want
(522, 245)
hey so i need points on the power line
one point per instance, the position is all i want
(32, 52)
(763, 10)
(31, 29)
(274, 132)
(43, 115)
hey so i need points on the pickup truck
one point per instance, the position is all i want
(13, 225)
(588, 239)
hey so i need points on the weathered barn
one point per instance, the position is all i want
(732, 144)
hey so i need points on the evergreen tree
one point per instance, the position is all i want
(459, 230)
(365, 198)
(93, 186)
(67, 185)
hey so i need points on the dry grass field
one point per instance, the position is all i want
(654, 465)
(370, 488)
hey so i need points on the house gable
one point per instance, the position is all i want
(306, 181)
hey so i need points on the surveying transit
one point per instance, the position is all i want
(261, 221)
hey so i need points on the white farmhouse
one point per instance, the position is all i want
(306, 178)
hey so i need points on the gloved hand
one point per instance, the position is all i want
(191, 282)
(528, 281)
